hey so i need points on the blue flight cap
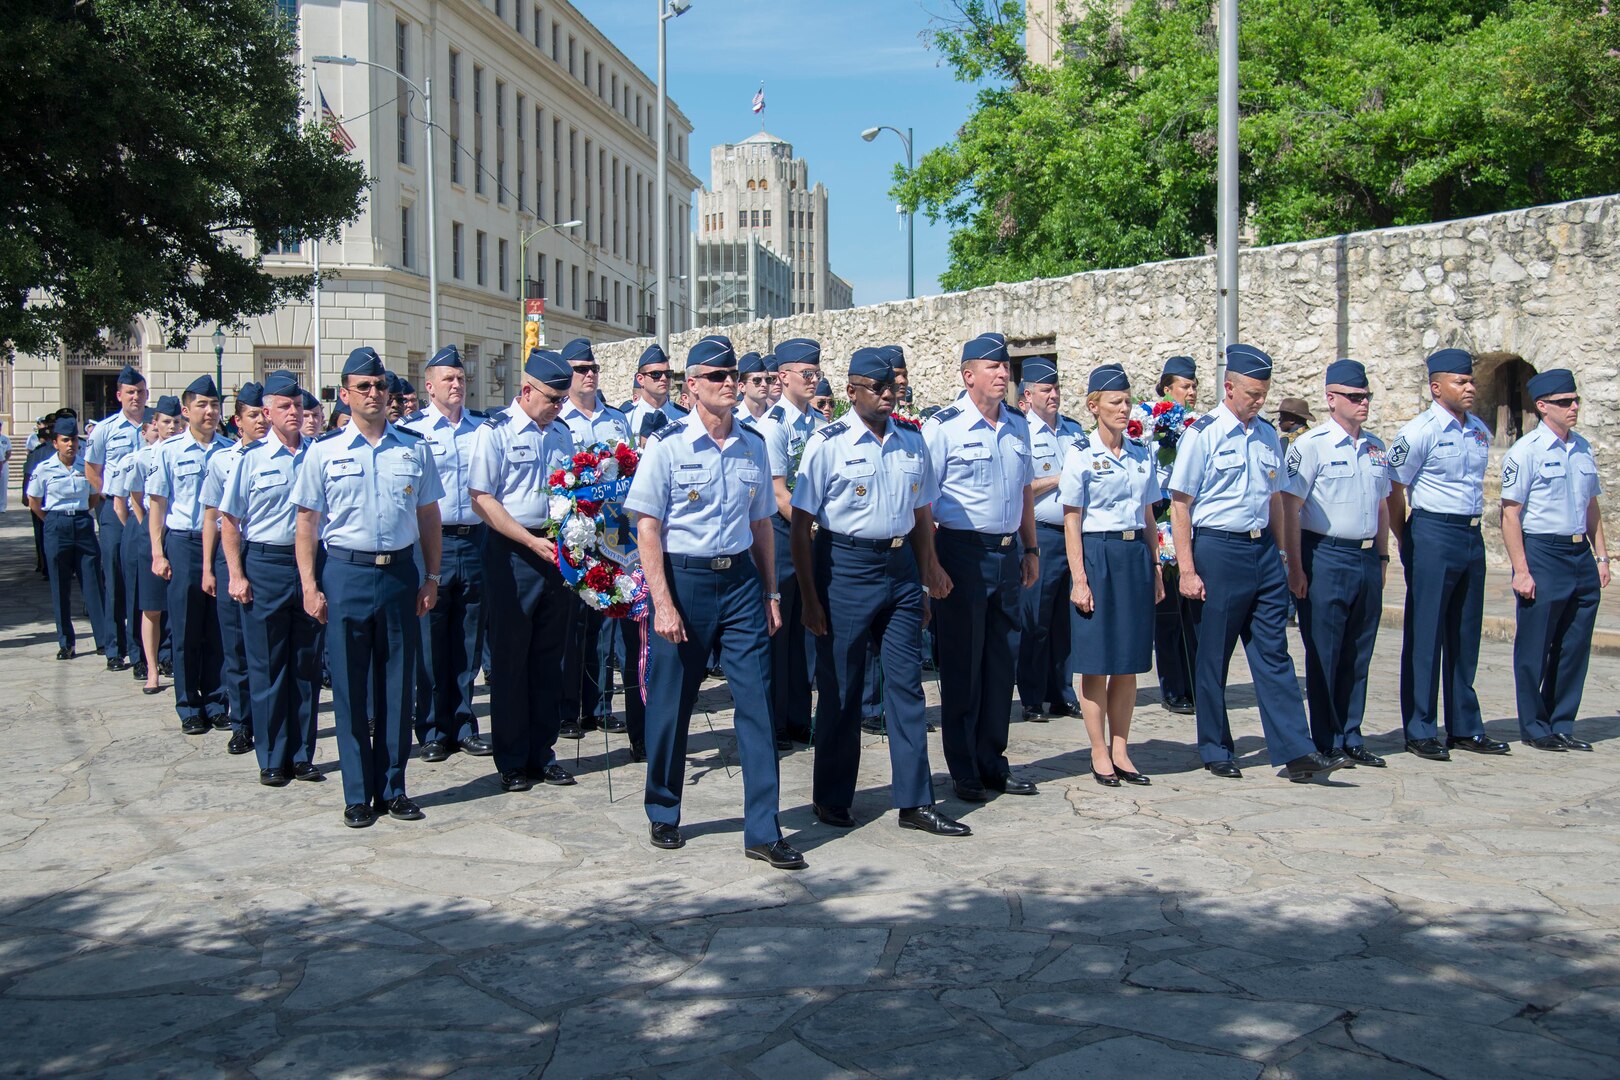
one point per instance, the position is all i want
(652, 422)
(342, 409)
(1553, 381)
(896, 357)
(1180, 367)
(550, 368)
(280, 384)
(992, 347)
(396, 385)
(1451, 362)
(770, 362)
(872, 364)
(309, 400)
(578, 351)
(714, 351)
(798, 350)
(1347, 373)
(130, 377)
(1038, 369)
(250, 394)
(167, 405)
(447, 356)
(750, 363)
(64, 426)
(203, 386)
(1107, 377)
(652, 355)
(363, 361)
(823, 388)
(1247, 360)
(405, 387)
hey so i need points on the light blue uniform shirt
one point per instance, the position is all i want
(638, 412)
(982, 468)
(260, 493)
(59, 486)
(1553, 479)
(745, 417)
(452, 455)
(859, 485)
(606, 424)
(112, 446)
(179, 467)
(786, 429)
(221, 468)
(1047, 448)
(367, 495)
(1114, 492)
(1442, 462)
(513, 460)
(707, 495)
(1230, 471)
(131, 479)
(1343, 481)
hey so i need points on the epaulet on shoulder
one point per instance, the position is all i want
(669, 429)
(1375, 440)
(752, 430)
(775, 413)
(949, 412)
(329, 434)
(476, 414)
(497, 419)
(1082, 441)
(1202, 422)
(407, 431)
(414, 417)
(1266, 422)
(906, 422)
(171, 438)
(828, 431)
(254, 445)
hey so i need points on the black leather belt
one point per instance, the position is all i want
(1048, 525)
(1469, 520)
(1572, 539)
(1251, 536)
(270, 549)
(1337, 541)
(1117, 534)
(461, 530)
(368, 558)
(991, 541)
(68, 513)
(704, 562)
(862, 542)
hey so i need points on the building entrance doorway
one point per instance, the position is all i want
(98, 395)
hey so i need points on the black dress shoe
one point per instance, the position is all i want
(358, 815)
(1312, 765)
(1064, 708)
(874, 725)
(784, 745)
(273, 777)
(1432, 749)
(401, 808)
(516, 780)
(1139, 779)
(837, 816)
(1479, 744)
(117, 663)
(970, 792)
(1181, 706)
(665, 836)
(1011, 785)
(615, 725)
(1362, 756)
(477, 746)
(326, 680)
(151, 689)
(799, 735)
(64, 654)
(196, 725)
(1226, 770)
(716, 672)
(928, 819)
(307, 772)
(138, 671)
(1105, 779)
(1033, 715)
(166, 669)
(557, 776)
(570, 729)
(1572, 743)
(241, 743)
(437, 750)
(638, 751)
(220, 723)
(1547, 742)
(781, 855)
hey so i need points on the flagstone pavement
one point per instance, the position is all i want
(161, 914)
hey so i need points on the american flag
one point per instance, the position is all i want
(339, 136)
(759, 99)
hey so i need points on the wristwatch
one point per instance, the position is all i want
(774, 596)
(434, 578)
(1604, 559)
(1033, 551)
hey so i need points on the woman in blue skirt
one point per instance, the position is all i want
(1108, 490)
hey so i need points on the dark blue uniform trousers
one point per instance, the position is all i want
(872, 598)
(1246, 596)
(283, 654)
(871, 685)
(1175, 639)
(70, 550)
(372, 636)
(581, 691)
(976, 627)
(1553, 639)
(724, 607)
(793, 655)
(628, 632)
(1044, 640)
(1444, 558)
(194, 622)
(136, 548)
(530, 611)
(1338, 618)
(452, 643)
(233, 648)
(116, 638)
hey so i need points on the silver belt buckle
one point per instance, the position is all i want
(722, 563)
(1365, 544)
(1254, 534)
(1006, 541)
(1473, 522)
(1128, 534)
(383, 560)
(896, 541)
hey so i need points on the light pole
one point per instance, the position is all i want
(667, 10)
(219, 358)
(911, 248)
(1226, 194)
(426, 90)
(641, 287)
(523, 262)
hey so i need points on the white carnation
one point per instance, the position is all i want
(624, 585)
(609, 468)
(558, 507)
(579, 531)
(591, 597)
(569, 479)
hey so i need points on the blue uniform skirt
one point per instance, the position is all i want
(151, 591)
(1116, 638)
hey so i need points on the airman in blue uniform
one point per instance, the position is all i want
(755, 394)
(1553, 529)
(250, 427)
(654, 377)
(987, 548)
(453, 629)
(1437, 465)
(1338, 549)
(1175, 634)
(1226, 513)
(530, 606)
(868, 483)
(147, 594)
(174, 485)
(701, 498)
(61, 496)
(108, 451)
(258, 535)
(370, 493)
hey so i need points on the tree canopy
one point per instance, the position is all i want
(143, 140)
(1354, 114)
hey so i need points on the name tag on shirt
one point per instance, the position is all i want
(188, 468)
(1447, 449)
(1338, 468)
(520, 454)
(973, 452)
(1552, 470)
(268, 478)
(1228, 459)
(343, 467)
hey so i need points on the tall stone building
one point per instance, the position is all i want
(760, 193)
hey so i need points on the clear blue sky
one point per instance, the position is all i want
(831, 68)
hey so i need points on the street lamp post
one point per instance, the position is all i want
(426, 90)
(911, 248)
(523, 262)
(1226, 193)
(667, 10)
(219, 358)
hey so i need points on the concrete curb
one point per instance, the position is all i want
(1605, 640)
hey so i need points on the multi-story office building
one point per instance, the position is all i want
(541, 120)
(739, 282)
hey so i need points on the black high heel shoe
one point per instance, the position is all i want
(1132, 777)
(1110, 780)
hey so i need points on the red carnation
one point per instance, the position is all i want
(617, 611)
(559, 478)
(585, 460)
(588, 508)
(599, 578)
(1189, 421)
(1133, 428)
(1162, 407)
(627, 460)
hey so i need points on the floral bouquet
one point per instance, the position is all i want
(596, 550)
(1166, 420)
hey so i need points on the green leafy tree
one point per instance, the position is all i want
(141, 140)
(1355, 114)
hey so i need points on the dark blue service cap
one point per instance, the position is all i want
(281, 384)
(1247, 360)
(447, 356)
(770, 361)
(251, 394)
(799, 350)
(1548, 383)
(1038, 369)
(1347, 373)
(342, 409)
(713, 351)
(652, 355)
(1451, 362)
(405, 387)
(652, 422)
(203, 386)
(872, 364)
(396, 385)
(1180, 367)
(309, 400)
(363, 361)
(823, 388)
(167, 405)
(896, 357)
(130, 377)
(550, 368)
(65, 426)
(991, 347)
(750, 363)
(578, 351)
(1107, 377)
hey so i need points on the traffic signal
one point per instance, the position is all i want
(531, 336)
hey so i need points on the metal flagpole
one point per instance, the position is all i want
(1227, 195)
(315, 260)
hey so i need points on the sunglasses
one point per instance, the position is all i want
(660, 373)
(759, 380)
(1354, 399)
(1563, 402)
(808, 374)
(877, 388)
(366, 386)
(586, 369)
(717, 376)
(548, 397)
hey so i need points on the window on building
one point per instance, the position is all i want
(458, 265)
(556, 170)
(810, 220)
(407, 237)
(402, 64)
(585, 69)
(753, 219)
(573, 175)
(571, 70)
(573, 285)
(288, 10)
(812, 284)
(500, 10)
(500, 142)
(535, 26)
(517, 16)
(764, 185)
(454, 64)
(556, 38)
(285, 244)
(479, 250)
(557, 281)
(520, 108)
(500, 263)
(614, 99)
(478, 129)
(751, 185)
(767, 219)
(601, 81)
